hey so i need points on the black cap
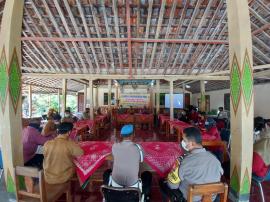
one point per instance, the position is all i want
(65, 127)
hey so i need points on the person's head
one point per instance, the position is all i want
(259, 123)
(64, 128)
(144, 107)
(192, 139)
(220, 109)
(127, 131)
(209, 123)
(67, 113)
(130, 107)
(34, 124)
(49, 128)
(87, 110)
(202, 115)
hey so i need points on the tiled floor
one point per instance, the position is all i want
(92, 193)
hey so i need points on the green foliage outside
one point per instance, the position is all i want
(42, 102)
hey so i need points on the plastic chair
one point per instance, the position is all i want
(114, 194)
(258, 180)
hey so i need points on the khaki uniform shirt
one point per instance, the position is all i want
(198, 167)
(58, 159)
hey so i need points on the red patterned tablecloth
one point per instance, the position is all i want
(123, 116)
(95, 153)
(163, 118)
(160, 156)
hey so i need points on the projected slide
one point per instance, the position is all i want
(177, 101)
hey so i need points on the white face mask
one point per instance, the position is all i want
(184, 145)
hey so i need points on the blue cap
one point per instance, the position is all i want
(127, 130)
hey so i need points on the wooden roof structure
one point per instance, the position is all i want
(135, 37)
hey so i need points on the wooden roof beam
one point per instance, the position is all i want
(74, 23)
(108, 32)
(45, 50)
(146, 34)
(64, 21)
(202, 49)
(37, 12)
(185, 35)
(173, 49)
(195, 34)
(52, 18)
(160, 19)
(166, 35)
(89, 36)
(99, 36)
(102, 76)
(139, 40)
(129, 38)
(116, 25)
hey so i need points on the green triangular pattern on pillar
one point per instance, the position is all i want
(247, 82)
(235, 83)
(235, 185)
(202, 97)
(10, 183)
(245, 186)
(3, 80)
(15, 80)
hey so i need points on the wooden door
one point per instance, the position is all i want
(80, 102)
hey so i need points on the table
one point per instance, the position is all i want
(144, 119)
(179, 126)
(162, 121)
(80, 128)
(135, 119)
(160, 156)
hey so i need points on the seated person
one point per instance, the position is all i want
(222, 114)
(86, 114)
(198, 166)
(201, 119)
(31, 139)
(56, 116)
(259, 128)
(145, 110)
(68, 117)
(126, 174)
(49, 129)
(193, 116)
(211, 128)
(130, 110)
(98, 112)
(261, 157)
(121, 110)
(182, 116)
(58, 156)
(50, 115)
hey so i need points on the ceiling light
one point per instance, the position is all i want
(205, 82)
(187, 86)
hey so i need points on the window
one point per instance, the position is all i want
(106, 99)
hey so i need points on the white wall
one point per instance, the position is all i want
(261, 99)
(128, 89)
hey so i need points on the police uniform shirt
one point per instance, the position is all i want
(198, 167)
(126, 163)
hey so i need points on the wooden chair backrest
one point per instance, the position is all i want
(207, 190)
(217, 143)
(30, 172)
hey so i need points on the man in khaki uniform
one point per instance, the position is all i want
(58, 156)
